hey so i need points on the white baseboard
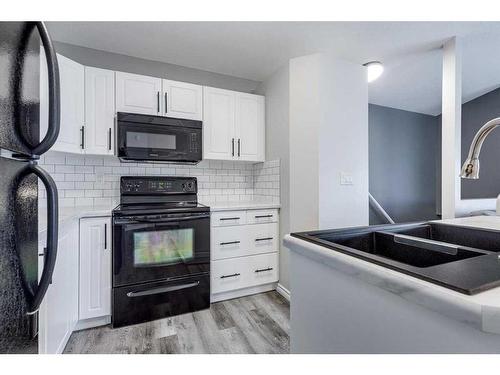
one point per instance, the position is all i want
(93, 322)
(242, 292)
(284, 292)
(64, 342)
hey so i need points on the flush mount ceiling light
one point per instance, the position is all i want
(374, 69)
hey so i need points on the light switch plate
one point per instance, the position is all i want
(346, 178)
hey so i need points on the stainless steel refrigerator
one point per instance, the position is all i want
(22, 284)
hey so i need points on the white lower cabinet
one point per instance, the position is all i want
(95, 268)
(58, 312)
(244, 272)
(244, 254)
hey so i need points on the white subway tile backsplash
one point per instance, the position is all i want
(93, 160)
(93, 193)
(84, 202)
(85, 180)
(65, 169)
(65, 185)
(74, 177)
(74, 193)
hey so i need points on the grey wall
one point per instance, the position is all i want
(114, 61)
(475, 114)
(403, 148)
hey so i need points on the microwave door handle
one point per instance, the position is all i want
(52, 233)
(54, 93)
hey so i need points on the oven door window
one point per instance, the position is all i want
(150, 251)
(163, 247)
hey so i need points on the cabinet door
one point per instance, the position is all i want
(250, 127)
(95, 268)
(138, 94)
(182, 100)
(218, 124)
(99, 111)
(58, 312)
(72, 84)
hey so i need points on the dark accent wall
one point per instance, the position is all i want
(475, 114)
(403, 148)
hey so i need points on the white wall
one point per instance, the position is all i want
(343, 144)
(276, 90)
(317, 125)
(305, 118)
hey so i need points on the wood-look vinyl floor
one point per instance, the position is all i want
(254, 324)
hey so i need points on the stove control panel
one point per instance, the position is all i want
(151, 185)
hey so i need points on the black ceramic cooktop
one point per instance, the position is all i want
(474, 268)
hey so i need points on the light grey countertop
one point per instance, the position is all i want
(67, 214)
(241, 205)
(482, 310)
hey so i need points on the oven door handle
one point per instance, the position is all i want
(168, 220)
(164, 289)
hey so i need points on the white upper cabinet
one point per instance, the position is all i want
(95, 268)
(233, 122)
(218, 124)
(234, 125)
(182, 100)
(72, 88)
(99, 111)
(138, 94)
(250, 127)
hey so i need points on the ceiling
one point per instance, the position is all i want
(254, 50)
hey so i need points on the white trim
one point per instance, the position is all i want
(284, 292)
(63, 343)
(451, 128)
(92, 322)
(242, 292)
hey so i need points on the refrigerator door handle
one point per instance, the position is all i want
(52, 233)
(54, 93)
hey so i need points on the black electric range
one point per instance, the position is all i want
(161, 250)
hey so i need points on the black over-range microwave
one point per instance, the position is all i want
(150, 138)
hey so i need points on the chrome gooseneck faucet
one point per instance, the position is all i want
(470, 168)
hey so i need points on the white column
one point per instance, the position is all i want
(451, 128)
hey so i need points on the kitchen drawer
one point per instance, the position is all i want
(227, 218)
(243, 272)
(263, 269)
(228, 274)
(134, 304)
(242, 240)
(230, 242)
(262, 216)
(262, 238)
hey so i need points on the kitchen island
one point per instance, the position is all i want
(344, 304)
